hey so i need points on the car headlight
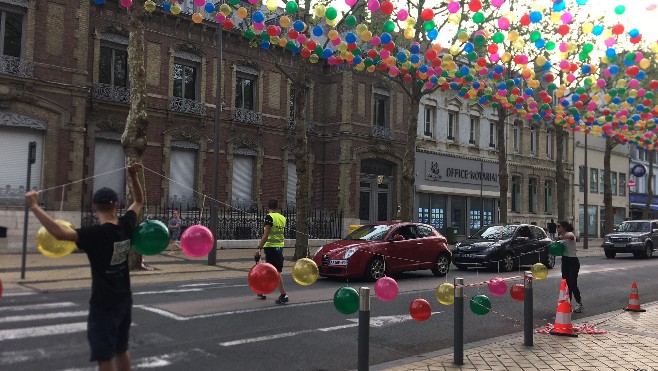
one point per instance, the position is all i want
(317, 251)
(349, 252)
(636, 239)
(491, 248)
(458, 244)
(606, 239)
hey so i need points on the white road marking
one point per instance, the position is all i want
(35, 317)
(31, 332)
(20, 308)
(165, 292)
(9, 294)
(203, 284)
(382, 321)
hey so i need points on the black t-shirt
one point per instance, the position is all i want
(268, 220)
(552, 227)
(107, 247)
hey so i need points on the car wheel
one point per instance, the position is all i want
(508, 263)
(648, 251)
(376, 269)
(441, 265)
(461, 267)
(610, 254)
(549, 262)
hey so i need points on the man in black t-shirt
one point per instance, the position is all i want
(107, 245)
(552, 229)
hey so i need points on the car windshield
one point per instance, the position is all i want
(370, 233)
(634, 227)
(495, 232)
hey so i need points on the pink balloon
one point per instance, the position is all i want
(403, 14)
(453, 7)
(257, 26)
(633, 83)
(126, 3)
(252, 2)
(386, 288)
(495, 57)
(373, 5)
(220, 18)
(336, 41)
(503, 23)
(350, 3)
(651, 7)
(564, 47)
(497, 3)
(567, 18)
(600, 83)
(610, 42)
(196, 241)
(375, 41)
(199, 2)
(497, 286)
(301, 38)
(384, 54)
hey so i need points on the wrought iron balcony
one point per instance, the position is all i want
(111, 93)
(381, 132)
(16, 66)
(248, 116)
(187, 106)
(292, 125)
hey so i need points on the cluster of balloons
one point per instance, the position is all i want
(151, 237)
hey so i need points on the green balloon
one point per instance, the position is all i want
(498, 37)
(535, 35)
(472, 56)
(556, 248)
(151, 237)
(478, 17)
(234, 2)
(587, 48)
(480, 305)
(389, 26)
(291, 7)
(331, 13)
(350, 20)
(429, 25)
(249, 34)
(620, 9)
(550, 45)
(346, 300)
(290, 45)
(264, 36)
(479, 40)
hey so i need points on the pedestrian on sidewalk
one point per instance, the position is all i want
(570, 262)
(272, 243)
(552, 229)
(106, 245)
(174, 231)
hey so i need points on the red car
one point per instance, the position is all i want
(374, 250)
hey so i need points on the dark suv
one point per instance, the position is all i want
(634, 236)
(504, 247)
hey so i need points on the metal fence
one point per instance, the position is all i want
(237, 224)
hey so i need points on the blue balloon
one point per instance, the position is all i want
(498, 68)
(350, 38)
(641, 75)
(415, 58)
(357, 60)
(559, 6)
(468, 47)
(402, 56)
(434, 79)
(565, 103)
(99, 2)
(464, 70)
(581, 2)
(433, 34)
(209, 7)
(597, 30)
(616, 100)
(476, 85)
(640, 107)
(586, 68)
(386, 38)
(318, 31)
(414, 49)
(547, 66)
(634, 33)
(535, 17)
(265, 44)
(166, 6)
(540, 43)
(327, 53)
(298, 26)
(630, 100)
(610, 53)
(258, 16)
(453, 85)
(614, 69)
(423, 68)
(528, 91)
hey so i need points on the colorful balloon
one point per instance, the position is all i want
(305, 272)
(445, 293)
(497, 286)
(346, 300)
(539, 271)
(386, 288)
(517, 292)
(263, 278)
(420, 310)
(151, 237)
(480, 305)
(556, 248)
(51, 247)
(196, 241)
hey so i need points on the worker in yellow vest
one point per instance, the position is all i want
(272, 243)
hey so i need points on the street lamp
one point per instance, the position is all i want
(214, 220)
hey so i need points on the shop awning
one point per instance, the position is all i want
(642, 206)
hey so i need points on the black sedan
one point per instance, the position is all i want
(504, 247)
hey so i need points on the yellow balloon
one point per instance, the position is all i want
(284, 21)
(305, 271)
(197, 18)
(242, 12)
(371, 69)
(462, 36)
(541, 60)
(409, 33)
(588, 27)
(283, 42)
(52, 247)
(539, 271)
(518, 44)
(320, 10)
(175, 9)
(366, 36)
(645, 63)
(506, 57)
(332, 22)
(272, 5)
(410, 22)
(556, 17)
(332, 35)
(445, 293)
(361, 28)
(314, 58)
(454, 18)
(513, 36)
(454, 49)
(447, 58)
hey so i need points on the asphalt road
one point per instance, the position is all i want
(220, 325)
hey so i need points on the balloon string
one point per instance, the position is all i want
(61, 203)
(81, 180)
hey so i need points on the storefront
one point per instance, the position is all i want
(455, 192)
(638, 204)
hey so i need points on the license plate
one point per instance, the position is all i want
(620, 244)
(337, 262)
(468, 255)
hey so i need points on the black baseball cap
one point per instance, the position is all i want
(105, 196)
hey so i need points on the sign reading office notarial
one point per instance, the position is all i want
(444, 169)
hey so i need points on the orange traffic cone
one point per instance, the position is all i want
(563, 315)
(634, 300)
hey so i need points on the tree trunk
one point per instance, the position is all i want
(647, 205)
(303, 196)
(502, 164)
(608, 215)
(134, 134)
(560, 179)
(408, 162)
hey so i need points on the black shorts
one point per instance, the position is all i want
(274, 256)
(107, 330)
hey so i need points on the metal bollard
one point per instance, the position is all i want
(459, 322)
(364, 328)
(527, 309)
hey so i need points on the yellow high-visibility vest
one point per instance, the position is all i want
(275, 238)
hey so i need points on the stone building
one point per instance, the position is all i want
(64, 84)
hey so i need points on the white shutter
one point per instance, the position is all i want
(181, 173)
(243, 173)
(15, 147)
(292, 183)
(109, 156)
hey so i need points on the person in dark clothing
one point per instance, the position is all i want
(570, 262)
(106, 245)
(272, 242)
(552, 229)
